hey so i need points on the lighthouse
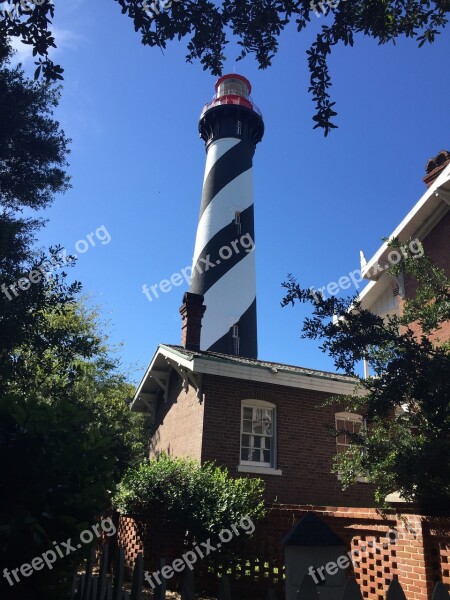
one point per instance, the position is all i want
(223, 268)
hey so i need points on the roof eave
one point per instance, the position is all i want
(418, 222)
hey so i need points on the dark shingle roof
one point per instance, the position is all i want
(253, 362)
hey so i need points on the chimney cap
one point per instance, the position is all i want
(435, 166)
(193, 299)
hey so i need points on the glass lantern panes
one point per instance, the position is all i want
(257, 435)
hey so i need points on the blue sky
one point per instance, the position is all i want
(137, 168)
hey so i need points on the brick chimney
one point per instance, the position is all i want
(435, 166)
(192, 311)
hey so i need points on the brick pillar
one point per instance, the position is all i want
(192, 311)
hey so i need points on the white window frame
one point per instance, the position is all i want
(355, 418)
(247, 466)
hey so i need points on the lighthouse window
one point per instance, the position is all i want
(237, 221)
(239, 127)
(234, 87)
(235, 338)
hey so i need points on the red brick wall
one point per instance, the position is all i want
(305, 447)
(415, 549)
(178, 423)
(437, 246)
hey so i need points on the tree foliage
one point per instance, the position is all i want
(200, 499)
(33, 147)
(405, 446)
(257, 25)
(66, 432)
(66, 437)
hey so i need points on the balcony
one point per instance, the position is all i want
(231, 99)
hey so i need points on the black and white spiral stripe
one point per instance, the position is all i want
(226, 279)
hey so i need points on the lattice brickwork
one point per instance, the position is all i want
(411, 548)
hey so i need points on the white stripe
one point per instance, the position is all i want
(227, 300)
(236, 196)
(216, 151)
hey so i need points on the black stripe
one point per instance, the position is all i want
(235, 161)
(205, 275)
(248, 342)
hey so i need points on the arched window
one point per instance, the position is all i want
(346, 423)
(258, 433)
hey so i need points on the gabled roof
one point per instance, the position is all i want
(253, 362)
(192, 365)
(420, 220)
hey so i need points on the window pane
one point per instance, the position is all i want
(246, 441)
(248, 413)
(247, 426)
(266, 443)
(266, 456)
(257, 427)
(249, 454)
(256, 441)
(267, 429)
(267, 414)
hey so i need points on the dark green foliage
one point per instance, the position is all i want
(200, 499)
(406, 403)
(66, 437)
(66, 432)
(430, 306)
(33, 148)
(33, 28)
(257, 25)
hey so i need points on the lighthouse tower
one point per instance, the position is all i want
(224, 259)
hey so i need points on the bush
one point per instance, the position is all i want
(200, 499)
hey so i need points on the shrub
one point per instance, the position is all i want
(200, 499)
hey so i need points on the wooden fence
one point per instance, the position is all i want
(99, 587)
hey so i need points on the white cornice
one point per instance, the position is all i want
(321, 383)
(420, 220)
